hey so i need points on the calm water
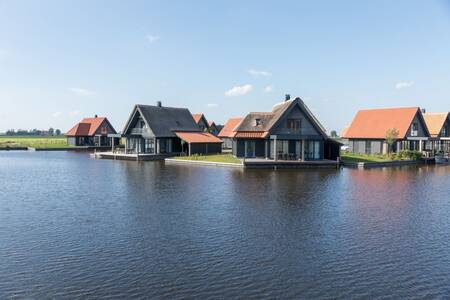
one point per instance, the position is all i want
(74, 227)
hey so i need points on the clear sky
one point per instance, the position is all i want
(64, 60)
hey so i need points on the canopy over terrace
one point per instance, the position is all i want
(200, 142)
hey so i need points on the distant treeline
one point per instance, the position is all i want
(33, 132)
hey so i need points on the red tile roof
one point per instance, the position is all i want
(435, 122)
(251, 134)
(374, 123)
(228, 128)
(87, 127)
(197, 117)
(198, 137)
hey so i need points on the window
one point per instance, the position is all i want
(149, 146)
(445, 131)
(368, 147)
(293, 125)
(258, 122)
(414, 129)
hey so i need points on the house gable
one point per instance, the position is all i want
(105, 128)
(445, 130)
(202, 123)
(308, 128)
(137, 121)
(421, 127)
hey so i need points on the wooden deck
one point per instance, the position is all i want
(292, 164)
(130, 156)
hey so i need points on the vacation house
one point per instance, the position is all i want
(201, 121)
(289, 132)
(213, 129)
(439, 127)
(92, 132)
(370, 130)
(166, 130)
(227, 133)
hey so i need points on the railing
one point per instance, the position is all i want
(140, 130)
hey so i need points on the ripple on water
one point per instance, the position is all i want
(72, 227)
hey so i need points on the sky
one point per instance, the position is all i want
(61, 60)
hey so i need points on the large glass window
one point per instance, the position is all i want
(312, 149)
(149, 146)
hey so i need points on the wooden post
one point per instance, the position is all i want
(275, 153)
(265, 149)
(303, 150)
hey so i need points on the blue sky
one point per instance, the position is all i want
(63, 60)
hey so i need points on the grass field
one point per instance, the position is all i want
(356, 158)
(219, 158)
(34, 142)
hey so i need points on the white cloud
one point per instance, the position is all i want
(239, 90)
(404, 85)
(254, 72)
(268, 89)
(212, 104)
(152, 38)
(57, 114)
(81, 92)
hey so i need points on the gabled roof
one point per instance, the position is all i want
(211, 123)
(164, 121)
(435, 122)
(228, 128)
(199, 117)
(88, 127)
(374, 123)
(198, 137)
(269, 120)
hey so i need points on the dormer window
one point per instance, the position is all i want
(258, 122)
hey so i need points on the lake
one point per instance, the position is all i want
(74, 227)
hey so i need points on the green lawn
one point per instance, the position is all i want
(356, 158)
(219, 158)
(34, 142)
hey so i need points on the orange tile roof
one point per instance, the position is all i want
(374, 123)
(228, 128)
(344, 131)
(197, 117)
(198, 137)
(435, 122)
(87, 127)
(251, 134)
(211, 123)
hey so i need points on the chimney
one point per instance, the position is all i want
(95, 116)
(287, 97)
(158, 103)
(424, 110)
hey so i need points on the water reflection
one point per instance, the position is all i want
(73, 227)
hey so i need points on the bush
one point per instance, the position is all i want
(409, 155)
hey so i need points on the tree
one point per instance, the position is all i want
(51, 131)
(334, 134)
(391, 137)
(58, 132)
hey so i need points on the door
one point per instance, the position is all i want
(249, 148)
